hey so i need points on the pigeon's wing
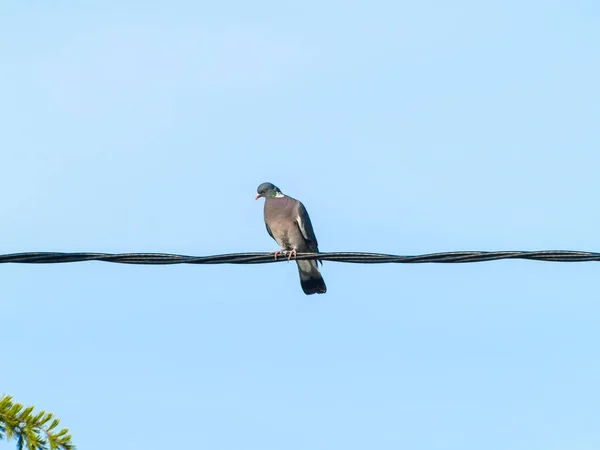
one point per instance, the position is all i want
(306, 228)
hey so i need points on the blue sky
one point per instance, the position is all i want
(404, 127)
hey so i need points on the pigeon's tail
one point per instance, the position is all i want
(310, 278)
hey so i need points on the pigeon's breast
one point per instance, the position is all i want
(280, 216)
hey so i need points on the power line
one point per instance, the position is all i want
(262, 258)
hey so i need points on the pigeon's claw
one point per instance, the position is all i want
(278, 252)
(291, 253)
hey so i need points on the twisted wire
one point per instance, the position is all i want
(263, 258)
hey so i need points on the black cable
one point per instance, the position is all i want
(262, 258)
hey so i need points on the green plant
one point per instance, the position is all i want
(31, 431)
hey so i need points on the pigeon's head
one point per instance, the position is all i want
(267, 190)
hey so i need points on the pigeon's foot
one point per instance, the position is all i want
(278, 252)
(291, 253)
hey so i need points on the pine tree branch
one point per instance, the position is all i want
(32, 432)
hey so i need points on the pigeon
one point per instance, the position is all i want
(288, 223)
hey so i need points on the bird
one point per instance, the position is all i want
(288, 223)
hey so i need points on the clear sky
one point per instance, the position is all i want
(404, 127)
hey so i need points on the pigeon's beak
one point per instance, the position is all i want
(257, 196)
